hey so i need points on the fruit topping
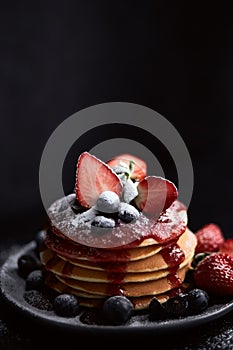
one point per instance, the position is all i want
(26, 264)
(209, 238)
(199, 257)
(214, 274)
(155, 195)
(66, 305)
(36, 299)
(227, 246)
(35, 280)
(117, 309)
(108, 202)
(198, 301)
(177, 306)
(157, 311)
(94, 177)
(127, 212)
(103, 222)
(137, 167)
(129, 191)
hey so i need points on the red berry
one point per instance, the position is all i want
(92, 178)
(140, 167)
(155, 195)
(214, 274)
(227, 246)
(209, 238)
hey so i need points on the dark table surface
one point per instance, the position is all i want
(216, 334)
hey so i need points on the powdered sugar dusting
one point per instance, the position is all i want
(77, 227)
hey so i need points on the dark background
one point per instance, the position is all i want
(60, 57)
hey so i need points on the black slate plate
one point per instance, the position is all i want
(13, 286)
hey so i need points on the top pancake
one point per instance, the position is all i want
(144, 231)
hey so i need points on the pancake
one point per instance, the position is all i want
(133, 289)
(187, 242)
(93, 300)
(71, 250)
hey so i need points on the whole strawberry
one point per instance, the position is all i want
(214, 274)
(209, 238)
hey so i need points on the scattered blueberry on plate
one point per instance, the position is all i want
(66, 305)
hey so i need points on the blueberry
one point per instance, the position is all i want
(198, 300)
(39, 238)
(117, 309)
(35, 280)
(103, 222)
(127, 212)
(108, 202)
(36, 299)
(177, 306)
(66, 305)
(157, 311)
(199, 257)
(26, 264)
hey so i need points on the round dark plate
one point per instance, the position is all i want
(13, 286)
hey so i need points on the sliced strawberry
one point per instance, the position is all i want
(155, 195)
(92, 178)
(209, 238)
(140, 167)
(214, 274)
(227, 246)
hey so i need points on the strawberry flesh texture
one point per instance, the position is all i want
(155, 195)
(214, 274)
(227, 246)
(209, 238)
(92, 178)
(140, 167)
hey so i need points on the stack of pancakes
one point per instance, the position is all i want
(154, 265)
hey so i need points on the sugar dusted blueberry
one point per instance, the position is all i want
(128, 212)
(66, 305)
(108, 202)
(35, 280)
(117, 309)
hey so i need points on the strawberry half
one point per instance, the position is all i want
(214, 274)
(209, 238)
(140, 167)
(92, 178)
(227, 246)
(155, 195)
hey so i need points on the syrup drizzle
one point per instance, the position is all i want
(173, 256)
(67, 269)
